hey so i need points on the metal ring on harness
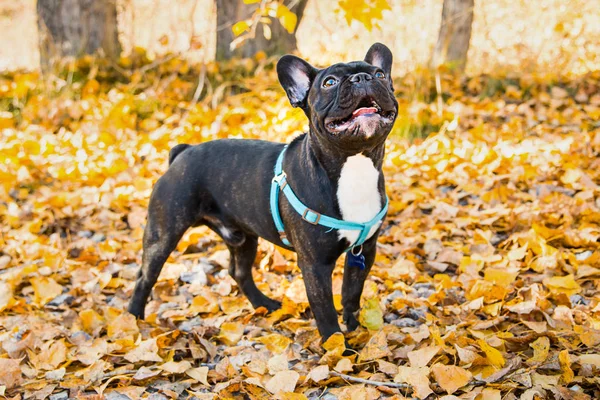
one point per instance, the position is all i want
(359, 251)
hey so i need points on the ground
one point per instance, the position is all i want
(486, 284)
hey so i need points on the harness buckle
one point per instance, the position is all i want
(281, 179)
(316, 222)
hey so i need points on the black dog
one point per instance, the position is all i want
(334, 169)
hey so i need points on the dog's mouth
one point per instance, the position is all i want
(367, 108)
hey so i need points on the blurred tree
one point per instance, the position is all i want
(270, 27)
(76, 27)
(455, 34)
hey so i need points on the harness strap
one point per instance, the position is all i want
(275, 185)
(279, 183)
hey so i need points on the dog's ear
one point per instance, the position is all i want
(380, 56)
(296, 77)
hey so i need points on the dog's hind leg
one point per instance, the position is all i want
(240, 268)
(168, 219)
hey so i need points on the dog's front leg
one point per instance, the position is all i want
(354, 280)
(317, 279)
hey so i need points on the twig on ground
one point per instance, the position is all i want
(370, 382)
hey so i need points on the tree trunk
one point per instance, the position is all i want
(455, 34)
(231, 11)
(77, 27)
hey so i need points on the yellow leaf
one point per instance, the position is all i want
(335, 342)
(417, 378)
(364, 12)
(275, 343)
(6, 297)
(450, 377)
(231, 333)
(588, 336)
(565, 365)
(51, 355)
(292, 396)
(501, 276)
(335, 347)
(563, 284)
(200, 374)
(540, 349)
(518, 253)
(493, 355)
(45, 289)
(122, 326)
(147, 350)
(421, 357)
(371, 316)
(91, 321)
(376, 348)
(491, 394)
(288, 21)
(240, 27)
(201, 304)
(174, 367)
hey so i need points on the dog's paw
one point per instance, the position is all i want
(350, 321)
(270, 304)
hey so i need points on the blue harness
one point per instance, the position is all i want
(279, 183)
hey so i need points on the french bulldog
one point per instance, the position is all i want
(335, 170)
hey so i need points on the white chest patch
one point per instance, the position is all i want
(357, 194)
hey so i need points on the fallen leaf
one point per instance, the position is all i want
(283, 381)
(450, 377)
(200, 374)
(145, 373)
(565, 365)
(231, 332)
(122, 326)
(417, 377)
(10, 373)
(275, 343)
(343, 365)
(45, 289)
(147, 350)
(563, 284)
(319, 373)
(371, 316)
(541, 347)
(422, 357)
(278, 363)
(176, 367)
(376, 348)
(493, 355)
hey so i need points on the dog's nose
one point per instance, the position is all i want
(361, 77)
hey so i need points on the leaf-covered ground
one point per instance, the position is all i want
(486, 285)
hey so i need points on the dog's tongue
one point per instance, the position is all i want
(364, 110)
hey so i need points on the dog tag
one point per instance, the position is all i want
(356, 261)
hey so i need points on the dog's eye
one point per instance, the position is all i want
(330, 81)
(379, 75)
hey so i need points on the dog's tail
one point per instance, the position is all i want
(175, 151)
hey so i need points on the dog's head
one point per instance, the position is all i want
(347, 104)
